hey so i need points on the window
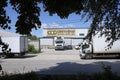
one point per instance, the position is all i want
(81, 34)
(59, 41)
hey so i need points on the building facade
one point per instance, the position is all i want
(72, 36)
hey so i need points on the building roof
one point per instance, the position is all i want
(8, 34)
(69, 28)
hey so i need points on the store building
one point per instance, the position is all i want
(72, 36)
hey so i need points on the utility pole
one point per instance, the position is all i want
(39, 45)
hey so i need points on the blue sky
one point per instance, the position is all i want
(73, 21)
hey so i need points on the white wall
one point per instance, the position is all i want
(76, 41)
(50, 41)
(68, 41)
(81, 31)
(46, 41)
(44, 33)
(77, 32)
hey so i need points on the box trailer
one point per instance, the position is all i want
(97, 47)
(18, 44)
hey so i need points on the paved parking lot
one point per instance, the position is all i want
(52, 54)
(57, 62)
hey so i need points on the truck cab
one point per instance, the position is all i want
(59, 43)
(85, 50)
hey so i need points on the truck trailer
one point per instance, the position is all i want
(98, 47)
(18, 44)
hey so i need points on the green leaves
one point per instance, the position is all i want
(29, 13)
(62, 8)
(4, 47)
(4, 19)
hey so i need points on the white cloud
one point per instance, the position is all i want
(69, 26)
(56, 25)
(44, 25)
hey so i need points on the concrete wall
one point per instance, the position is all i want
(47, 43)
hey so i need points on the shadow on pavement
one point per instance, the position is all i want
(76, 68)
(24, 56)
(105, 58)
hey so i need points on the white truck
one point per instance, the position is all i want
(17, 44)
(97, 47)
(59, 43)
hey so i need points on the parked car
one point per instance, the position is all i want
(77, 47)
(69, 47)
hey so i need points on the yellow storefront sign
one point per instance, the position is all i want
(61, 32)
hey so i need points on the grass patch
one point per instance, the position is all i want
(34, 76)
(23, 76)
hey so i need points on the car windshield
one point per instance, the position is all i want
(59, 41)
(85, 46)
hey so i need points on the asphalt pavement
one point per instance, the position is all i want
(51, 61)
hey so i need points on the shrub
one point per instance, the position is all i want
(32, 37)
(31, 49)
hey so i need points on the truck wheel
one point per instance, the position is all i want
(10, 55)
(23, 53)
(89, 56)
(82, 57)
(3, 56)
